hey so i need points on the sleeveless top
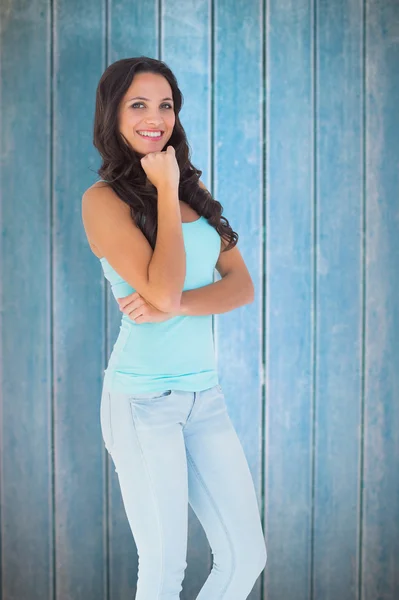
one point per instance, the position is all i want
(177, 354)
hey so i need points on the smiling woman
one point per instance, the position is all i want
(147, 120)
(159, 235)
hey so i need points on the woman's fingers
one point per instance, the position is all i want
(137, 312)
(134, 306)
(126, 300)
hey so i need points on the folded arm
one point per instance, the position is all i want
(233, 290)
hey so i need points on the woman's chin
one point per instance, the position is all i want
(144, 149)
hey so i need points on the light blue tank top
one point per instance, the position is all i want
(177, 354)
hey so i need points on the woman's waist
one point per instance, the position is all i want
(183, 337)
(172, 326)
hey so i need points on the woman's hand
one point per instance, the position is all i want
(162, 169)
(141, 311)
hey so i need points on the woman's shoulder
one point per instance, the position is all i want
(101, 184)
(100, 189)
(102, 193)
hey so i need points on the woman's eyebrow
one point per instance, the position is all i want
(147, 99)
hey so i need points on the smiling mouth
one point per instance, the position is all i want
(151, 135)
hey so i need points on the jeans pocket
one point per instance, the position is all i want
(106, 420)
(149, 396)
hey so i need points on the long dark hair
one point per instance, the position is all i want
(121, 167)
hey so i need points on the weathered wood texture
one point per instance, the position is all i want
(291, 111)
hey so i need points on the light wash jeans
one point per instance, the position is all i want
(174, 447)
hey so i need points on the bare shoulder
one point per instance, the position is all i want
(99, 189)
(101, 195)
(106, 218)
(99, 185)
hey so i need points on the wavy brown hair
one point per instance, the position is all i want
(121, 167)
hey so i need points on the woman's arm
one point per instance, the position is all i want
(157, 274)
(233, 290)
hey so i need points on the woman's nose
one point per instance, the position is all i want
(153, 119)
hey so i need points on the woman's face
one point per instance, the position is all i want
(146, 113)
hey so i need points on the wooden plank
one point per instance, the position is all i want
(237, 143)
(289, 298)
(81, 551)
(380, 535)
(185, 31)
(132, 31)
(25, 394)
(339, 189)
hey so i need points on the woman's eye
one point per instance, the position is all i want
(136, 104)
(168, 105)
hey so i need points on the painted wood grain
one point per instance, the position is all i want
(27, 508)
(77, 336)
(380, 534)
(289, 297)
(291, 113)
(339, 298)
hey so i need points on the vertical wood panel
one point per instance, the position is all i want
(78, 309)
(380, 539)
(185, 32)
(237, 144)
(332, 516)
(132, 31)
(339, 189)
(289, 298)
(26, 473)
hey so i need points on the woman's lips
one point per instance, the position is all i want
(151, 138)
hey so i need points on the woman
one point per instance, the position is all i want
(159, 235)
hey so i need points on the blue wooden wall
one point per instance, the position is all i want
(291, 110)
